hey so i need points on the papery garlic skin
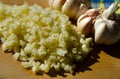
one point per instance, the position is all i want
(110, 11)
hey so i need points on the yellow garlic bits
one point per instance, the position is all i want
(41, 39)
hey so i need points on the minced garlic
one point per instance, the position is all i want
(41, 38)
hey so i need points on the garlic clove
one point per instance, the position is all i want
(50, 3)
(57, 4)
(100, 31)
(70, 8)
(80, 18)
(84, 26)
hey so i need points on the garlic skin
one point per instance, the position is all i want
(107, 30)
(85, 21)
(72, 8)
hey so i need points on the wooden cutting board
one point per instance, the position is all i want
(102, 63)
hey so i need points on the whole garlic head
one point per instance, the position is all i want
(85, 21)
(107, 30)
(72, 8)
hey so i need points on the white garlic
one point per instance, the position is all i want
(107, 30)
(72, 8)
(85, 21)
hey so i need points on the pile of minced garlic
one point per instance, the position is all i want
(42, 39)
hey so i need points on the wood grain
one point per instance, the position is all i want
(102, 63)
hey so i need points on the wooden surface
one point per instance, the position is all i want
(102, 63)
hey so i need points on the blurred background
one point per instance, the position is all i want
(102, 3)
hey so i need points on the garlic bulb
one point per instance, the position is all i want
(107, 30)
(85, 21)
(72, 8)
